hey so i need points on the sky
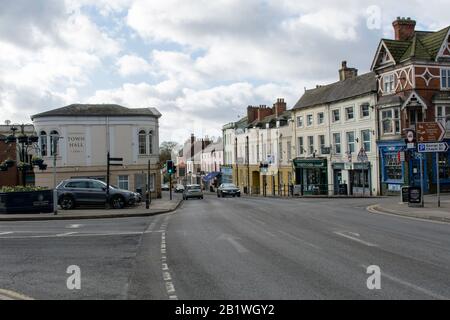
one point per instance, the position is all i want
(199, 62)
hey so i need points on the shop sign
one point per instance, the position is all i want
(311, 163)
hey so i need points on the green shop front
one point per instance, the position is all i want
(311, 175)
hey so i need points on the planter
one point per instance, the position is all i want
(42, 167)
(33, 139)
(22, 139)
(3, 167)
(26, 202)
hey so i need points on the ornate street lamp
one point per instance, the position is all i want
(24, 144)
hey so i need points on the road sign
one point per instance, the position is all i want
(430, 132)
(433, 147)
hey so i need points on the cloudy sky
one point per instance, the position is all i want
(200, 62)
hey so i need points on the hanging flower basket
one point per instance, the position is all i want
(9, 162)
(37, 161)
(24, 166)
(3, 167)
(22, 139)
(10, 139)
(33, 139)
(43, 167)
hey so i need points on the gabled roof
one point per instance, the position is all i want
(92, 110)
(341, 90)
(424, 45)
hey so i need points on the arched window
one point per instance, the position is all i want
(150, 142)
(142, 142)
(54, 139)
(43, 143)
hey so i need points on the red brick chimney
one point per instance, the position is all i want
(346, 72)
(279, 107)
(404, 28)
(263, 112)
(252, 113)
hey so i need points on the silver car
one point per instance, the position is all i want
(192, 191)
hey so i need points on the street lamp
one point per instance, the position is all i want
(23, 143)
(54, 136)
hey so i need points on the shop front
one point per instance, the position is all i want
(391, 168)
(311, 175)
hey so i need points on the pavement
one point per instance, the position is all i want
(157, 206)
(430, 211)
(230, 248)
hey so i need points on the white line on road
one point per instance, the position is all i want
(300, 239)
(74, 226)
(412, 286)
(11, 295)
(240, 248)
(5, 233)
(65, 234)
(354, 238)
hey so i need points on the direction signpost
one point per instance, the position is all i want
(430, 136)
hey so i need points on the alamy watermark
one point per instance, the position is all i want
(74, 280)
(374, 280)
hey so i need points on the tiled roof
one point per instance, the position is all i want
(91, 110)
(424, 45)
(341, 90)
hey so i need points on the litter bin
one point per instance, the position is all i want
(343, 189)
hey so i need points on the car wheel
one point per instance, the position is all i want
(67, 202)
(239, 195)
(118, 202)
(201, 198)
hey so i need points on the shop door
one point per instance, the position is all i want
(337, 174)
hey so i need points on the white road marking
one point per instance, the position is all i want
(411, 285)
(372, 210)
(300, 239)
(11, 295)
(166, 276)
(5, 233)
(65, 234)
(354, 238)
(239, 248)
(76, 234)
(165, 267)
(74, 226)
(169, 287)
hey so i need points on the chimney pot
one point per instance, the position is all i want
(404, 28)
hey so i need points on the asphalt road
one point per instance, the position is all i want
(233, 248)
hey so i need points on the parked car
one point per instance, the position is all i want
(165, 187)
(75, 192)
(179, 188)
(193, 191)
(228, 189)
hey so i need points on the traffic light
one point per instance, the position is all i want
(170, 167)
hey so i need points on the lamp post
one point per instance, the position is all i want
(23, 143)
(55, 138)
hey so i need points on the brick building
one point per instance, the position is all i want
(413, 74)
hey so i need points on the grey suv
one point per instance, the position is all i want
(74, 192)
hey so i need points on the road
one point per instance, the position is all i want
(233, 248)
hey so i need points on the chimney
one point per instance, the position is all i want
(279, 107)
(263, 112)
(346, 72)
(252, 113)
(404, 28)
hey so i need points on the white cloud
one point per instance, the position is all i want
(129, 65)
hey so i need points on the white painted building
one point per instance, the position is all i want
(335, 135)
(88, 132)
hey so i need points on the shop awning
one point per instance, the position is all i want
(210, 176)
